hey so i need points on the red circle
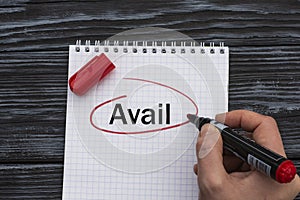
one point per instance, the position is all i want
(147, 131)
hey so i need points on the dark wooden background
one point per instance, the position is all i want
(264, 41)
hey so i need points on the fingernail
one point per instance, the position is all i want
(220, 117)
(211, 137)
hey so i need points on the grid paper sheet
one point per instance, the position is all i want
(139, 153)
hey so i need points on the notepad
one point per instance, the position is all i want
(127, 136)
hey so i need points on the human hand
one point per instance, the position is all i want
(221, 175)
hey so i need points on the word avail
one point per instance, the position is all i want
(148, 115)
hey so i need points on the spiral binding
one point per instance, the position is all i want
(125, 45)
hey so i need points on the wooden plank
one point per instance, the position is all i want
(41, 181)
(239, 25)
(26, 181)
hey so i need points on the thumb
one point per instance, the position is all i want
(209, 149)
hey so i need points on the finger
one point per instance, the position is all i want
(210, 160)
(248, 120)
(268, 135)
(232, 163)
(210, 136)
(264, 128)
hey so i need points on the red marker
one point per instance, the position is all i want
(264, 160)
(90, 74)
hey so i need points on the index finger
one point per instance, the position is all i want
(264, 128)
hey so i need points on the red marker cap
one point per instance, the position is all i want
(285, 172)
(90, 74)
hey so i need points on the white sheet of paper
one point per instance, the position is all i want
(139, 153)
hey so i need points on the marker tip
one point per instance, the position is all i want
(191, 117)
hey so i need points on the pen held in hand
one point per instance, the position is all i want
(264, 160)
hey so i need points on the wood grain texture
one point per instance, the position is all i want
(264, 41)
